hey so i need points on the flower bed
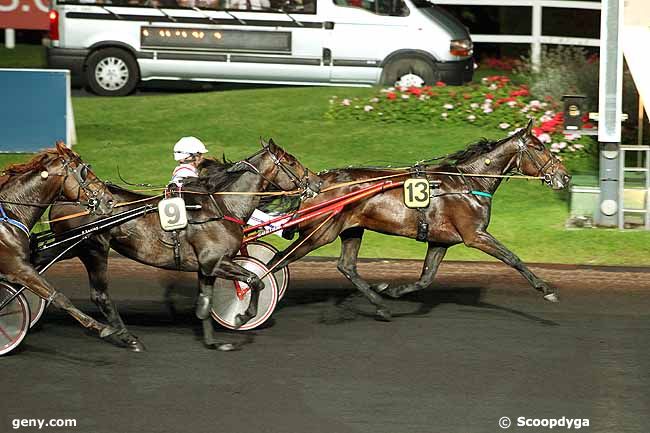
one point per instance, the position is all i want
(495, 102)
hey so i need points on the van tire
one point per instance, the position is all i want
(397, 68)
(112, 72)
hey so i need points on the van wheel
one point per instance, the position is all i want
(112, 72)
(404, 66)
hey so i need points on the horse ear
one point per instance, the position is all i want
(263, 143)
(61, 147)
(272, 144)
(529, 127)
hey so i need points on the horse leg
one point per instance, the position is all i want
(347, 265)
(490, 245)
(227, 269)
(96, 263)
(27, 276)
(435, 254)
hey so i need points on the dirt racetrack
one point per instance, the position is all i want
(478, 346)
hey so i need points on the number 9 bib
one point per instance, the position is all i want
(416, 193)
(173, 215)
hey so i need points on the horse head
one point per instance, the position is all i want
(534, 159)
(281, 169)
(79, 182)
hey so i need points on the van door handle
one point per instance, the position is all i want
(327, 57)
(329, 25)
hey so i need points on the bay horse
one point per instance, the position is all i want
(207, 245)
(459, 211)
(26, 191)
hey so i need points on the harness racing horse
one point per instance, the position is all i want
(459, 211)
(26, 191)
(208, 244)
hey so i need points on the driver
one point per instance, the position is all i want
(188, 151)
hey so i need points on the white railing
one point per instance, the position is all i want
(536, 39)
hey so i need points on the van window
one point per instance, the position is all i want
(289, 6)
(393, 8)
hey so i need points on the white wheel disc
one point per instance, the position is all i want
(36, 306)
(231, 298)
(14, 319)
(112, 73)
(264, 253)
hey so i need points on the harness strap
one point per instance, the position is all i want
(235, 220)
(481, 193)
(5, 219)
(422, 224)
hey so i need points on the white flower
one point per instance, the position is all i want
(578, 146)
(493, 86)
(474, 105)
(562, 144)
(504, 125)
(512, 103)
(555, 150)
(345, 102)
(423, 97)
(444, 115)
(374, 100)
(544, 138)
(484, 80)
(571, 137)
(405, 96)
(571, 149)
(448, 106)
(524, 110)
(471, 118)
(487, 110)
(555, 146)
(367, 108)
(535, 103)
(487, 101)
(545, 118)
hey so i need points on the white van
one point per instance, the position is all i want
(112, 45)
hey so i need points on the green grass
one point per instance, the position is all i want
(138, 134)
(23, 56)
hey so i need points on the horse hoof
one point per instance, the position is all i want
(381, 288)
(227, 347)
(136, 346)
(383, 315)
(241, 320)
(552, 297)
(107, 332)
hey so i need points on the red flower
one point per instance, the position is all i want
(440, 84)
(585, 118)
(588, 125)
(520, 92)
(391, 95)
(416, 91)
(537, 131)
(489, 96)
(548, 98)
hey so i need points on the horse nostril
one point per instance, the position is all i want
(566, 178)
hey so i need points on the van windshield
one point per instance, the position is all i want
(280, 6)
(393, 8)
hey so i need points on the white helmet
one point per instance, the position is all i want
(188, 146)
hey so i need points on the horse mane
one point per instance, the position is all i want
(37, 163)
(213, 175)
(481, 147)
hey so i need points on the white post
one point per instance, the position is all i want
(10, 38)
(536, 45)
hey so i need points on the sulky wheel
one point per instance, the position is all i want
(14, 319)
(231, 298)
(264, 253)
(36, 306)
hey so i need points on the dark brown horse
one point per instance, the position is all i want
(26, 191)
(207, 245)
(459, 211)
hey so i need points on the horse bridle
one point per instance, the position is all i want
(302, 184)
(80, 175)
(546, 170)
